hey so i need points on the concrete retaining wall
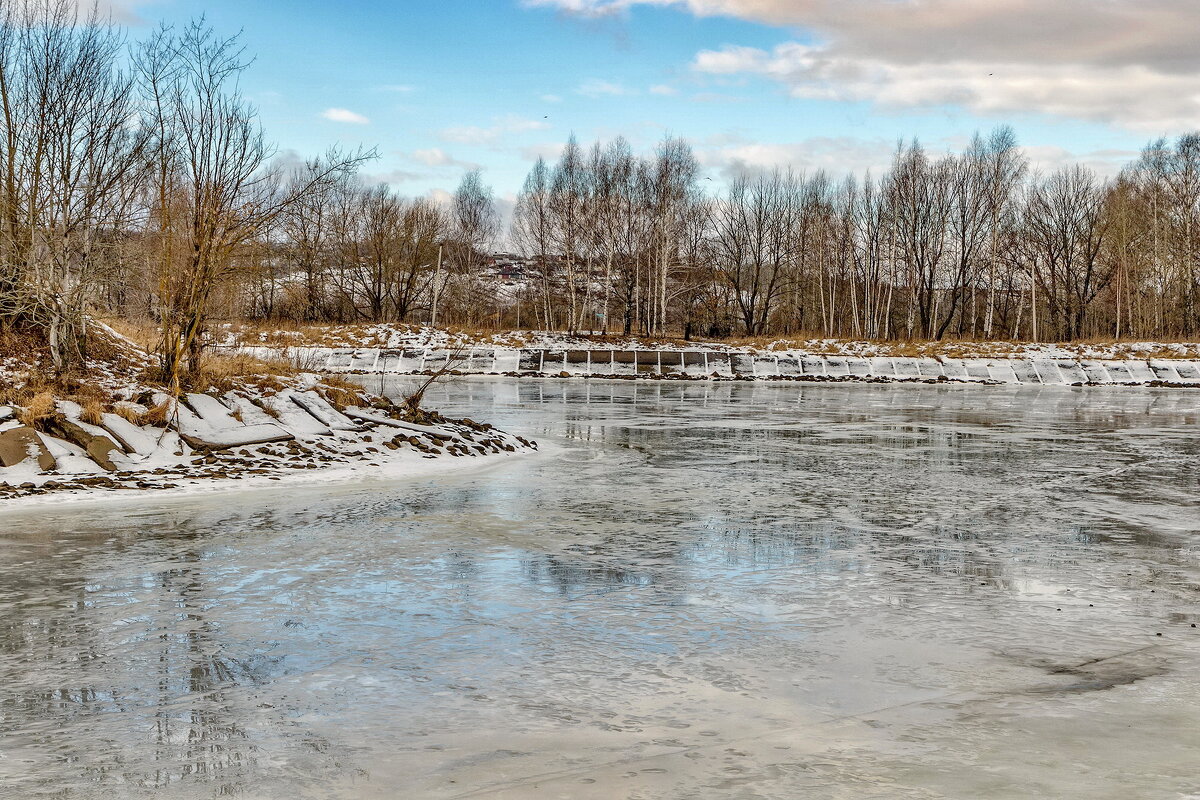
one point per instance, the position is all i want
(700, 364)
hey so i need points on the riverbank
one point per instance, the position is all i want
(396, 470)
(399, 336)
(401, 350)
(111, 432)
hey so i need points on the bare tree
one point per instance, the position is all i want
(476, 225)
(69, 165)
(213, 187)
(532, 231)
(1066, 229)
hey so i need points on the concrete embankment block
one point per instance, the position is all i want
(99, 447)
(18, 444)
(1025, 370)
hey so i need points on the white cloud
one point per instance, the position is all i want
(837, 155)
(1133, 96)
(1133, 63)
(1105, 163)
(1152, 32)
(550, 151)
(551, 98)
(437, 157)
(500, 127)
(344, 115)
(441, 197)
(394, 177)
(600, 88)
(663, 90)
(716, 97)
(124, 12)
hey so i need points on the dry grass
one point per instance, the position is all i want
(341, 392)
(267, 409)
(155, 416)
(284, 333)
(93, 411)
(143, 333)
(960, 348)
(128, 413)
(37, 410)
(227, 371)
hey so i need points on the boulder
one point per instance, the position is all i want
(18, 444)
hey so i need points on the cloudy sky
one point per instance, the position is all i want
(441, 86)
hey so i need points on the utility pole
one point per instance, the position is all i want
(437, 276)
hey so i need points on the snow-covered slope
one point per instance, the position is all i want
(239, 435)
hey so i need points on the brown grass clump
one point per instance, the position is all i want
(268, 410)
(93, 411)
(156, 415)
(340, 391)
(37, 410)
(128, 413)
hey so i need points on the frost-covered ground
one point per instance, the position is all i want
(734, 590)
(243, 436)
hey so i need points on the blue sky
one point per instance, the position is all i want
(442, 86)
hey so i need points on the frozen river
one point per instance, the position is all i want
(700, 590)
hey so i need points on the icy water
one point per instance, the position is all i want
(695, 591)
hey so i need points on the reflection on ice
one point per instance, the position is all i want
(698, 590)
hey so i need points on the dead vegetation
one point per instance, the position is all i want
(155, 416)
(290, 337)
(37, 411)
(341, 392)
(226, 371)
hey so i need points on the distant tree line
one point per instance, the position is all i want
(969, 245)
(135, 179)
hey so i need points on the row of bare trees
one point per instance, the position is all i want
(135, 178)
(969, 245)
(355, 252)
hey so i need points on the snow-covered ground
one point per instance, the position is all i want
(265, 428)
(294, 435)
(702, 364)
(397, 336)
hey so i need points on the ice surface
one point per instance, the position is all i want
(700, 590)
